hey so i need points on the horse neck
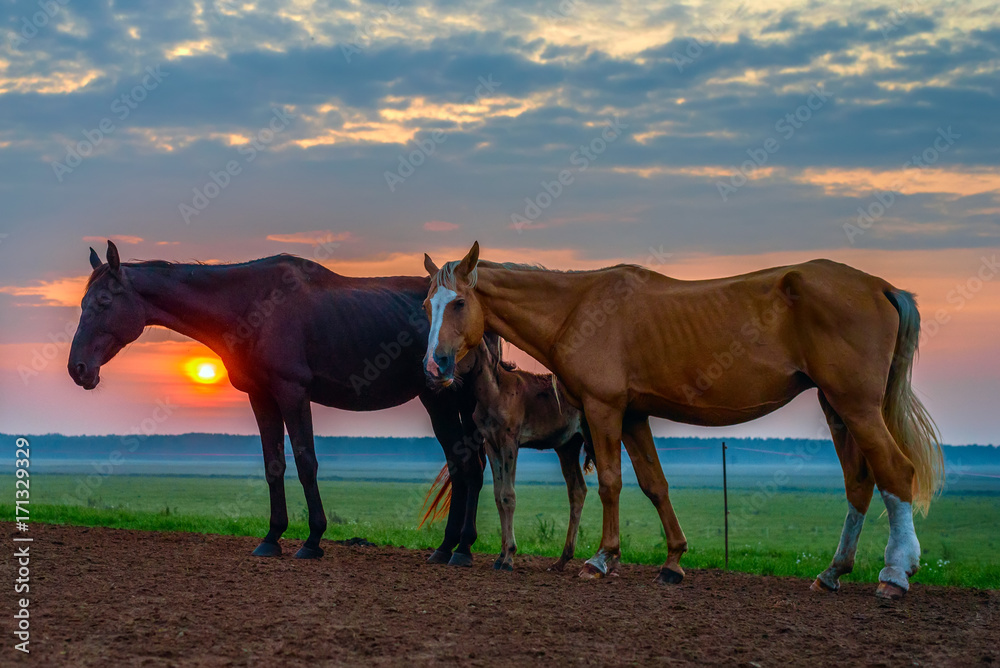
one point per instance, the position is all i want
(183, 298)
(486, 386)
(529, 307)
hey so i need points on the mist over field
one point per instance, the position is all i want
(777, 462)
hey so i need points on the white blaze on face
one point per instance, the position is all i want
(439, 301)
(902, 554)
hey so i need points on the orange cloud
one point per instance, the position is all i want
(440, 226)
(59, 292)
(119, 238)
(311, 238)
(861, 182)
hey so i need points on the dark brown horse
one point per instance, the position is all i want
(629, 343)
(291, 332)
(518, 409)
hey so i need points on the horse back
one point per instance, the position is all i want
(357, 343)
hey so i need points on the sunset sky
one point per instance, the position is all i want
(702, 139)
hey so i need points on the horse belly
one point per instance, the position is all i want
(723, 401)
(352, 396)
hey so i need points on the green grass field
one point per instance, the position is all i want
(785, 533)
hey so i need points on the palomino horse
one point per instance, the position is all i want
(629, 343)
(290, 332)
(518, 409)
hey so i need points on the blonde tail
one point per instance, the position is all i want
(908, 420)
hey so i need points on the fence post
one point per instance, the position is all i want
(725, 501)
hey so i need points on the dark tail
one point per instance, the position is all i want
(437, 509)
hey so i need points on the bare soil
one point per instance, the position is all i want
(107, 597)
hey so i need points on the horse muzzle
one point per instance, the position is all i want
(439, 371)
(84, 376)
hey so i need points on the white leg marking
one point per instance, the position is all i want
(902, 553)
(439, 301)
(843, 559)
(602, 561)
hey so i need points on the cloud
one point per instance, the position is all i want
(311, 238)
(118, 238)
(440, 226)
(58, 292)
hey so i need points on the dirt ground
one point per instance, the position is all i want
(127, 598)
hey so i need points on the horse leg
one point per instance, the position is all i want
(605, 423)
(576, 487)
(858, 484)
(473, 476)
(641, 449)
(894, 476)
(473, 466)
(272, 440)
(297, 414)
(503, 459)
(447, 427)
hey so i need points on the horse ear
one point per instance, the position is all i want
(469, 262)
(432, 269)
(113, 258)
(95, 259)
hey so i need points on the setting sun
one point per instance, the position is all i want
(205, 370)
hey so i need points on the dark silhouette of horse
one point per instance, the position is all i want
(292, 332)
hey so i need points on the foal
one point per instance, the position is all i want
(518, 409)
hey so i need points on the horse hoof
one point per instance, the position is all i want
(668, 576)
(559, 566)
(267, 549)
(889, 592)
(498, 564)
(822, 587)
(459, 559)
(439, 557)
(591, 572)
(306, 552)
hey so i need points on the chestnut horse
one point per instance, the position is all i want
(629, 343)
(290, 332)
(518, 409)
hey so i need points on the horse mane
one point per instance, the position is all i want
(445, 277)
(103, 270)
(494, 350)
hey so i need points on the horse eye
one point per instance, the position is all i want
(459, 303)
(104, 299)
